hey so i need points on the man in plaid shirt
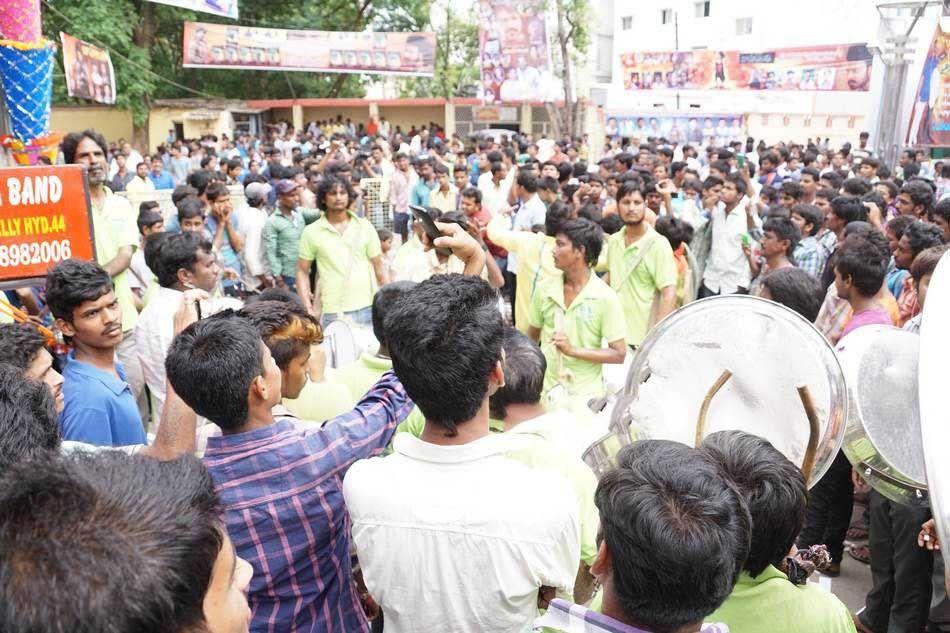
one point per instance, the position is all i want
(281, 484)
(811, 253)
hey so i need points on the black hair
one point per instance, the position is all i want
(72, 282)
(677, 532)
(190, 207)
(473, 193)
(496, 167)
(330, 183)
(784, 229)
(128, 543)
(611, 224)
(584, 233)
(739, 184)
(774, 490)
(28, 422)
(792, 189)
(864, 261)
(911, 170)
(856, 187)
(712, 181)
(276, 293)
(451, 322)
(459, 168)
(811, 215)
(565, 171)
(173, 251)
(382, 301)
(892, 188)
(920, 193)
(548, 184)
(557, 214)
(795, 289)
(811, 171)
(834, 179)
(676, 231)
(922, 235)
(849, 209)
(147, 217)
(19, 344)
(181, 192)
(524, 366)
(721, 166)
(199, 180)
(628, 187)
(212, 364)
(216, 190)
(286, 328)
(942, 209)
(898, 224)
(72, 140)
(527, 181)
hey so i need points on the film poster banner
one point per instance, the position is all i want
(836, 67)
(930, 117)
(224, 8)
(515, 61)
(715, 129)
(44, 219)
(89, 71)
(226, 46)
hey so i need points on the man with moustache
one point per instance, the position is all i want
(98, 405)
(640, 265)
(117, 236)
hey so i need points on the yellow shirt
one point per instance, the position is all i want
(320, 401)
(637, 287)
(347, 278)
(114, 226)
(444, 202)
(594, 316)
(535, 263)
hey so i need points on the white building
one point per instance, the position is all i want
(623, 26)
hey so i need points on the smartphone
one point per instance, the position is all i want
(428, 225)
(740, 160)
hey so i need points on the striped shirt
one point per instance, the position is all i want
(281, 487)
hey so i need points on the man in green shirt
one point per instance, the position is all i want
(545, 439)
(348, 256)
(764, 598)
(574, 313)
(282, 231)
(116, 234)
(641, 268)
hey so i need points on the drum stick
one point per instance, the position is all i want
(813, 430)
(22, 317)
(704, 409)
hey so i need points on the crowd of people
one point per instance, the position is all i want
(187, 455)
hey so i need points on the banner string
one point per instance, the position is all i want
(206, 95)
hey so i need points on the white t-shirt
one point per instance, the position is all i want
(460, 538)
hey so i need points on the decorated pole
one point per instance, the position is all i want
(26, 71)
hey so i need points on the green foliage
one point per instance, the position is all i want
(456, 61)
(145, 41)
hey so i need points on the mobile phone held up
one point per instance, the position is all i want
(428, 225)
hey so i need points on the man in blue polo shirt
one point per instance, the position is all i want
(98, 404)
(159, 177)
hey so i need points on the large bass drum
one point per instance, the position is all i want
(882, 439)
(932, 385)
(733, 363)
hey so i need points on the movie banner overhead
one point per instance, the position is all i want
(89, 71)
(44, 219)
(844, 67)
(930, 118)
(707, 129)
(224, 8)
(513, 47)
(229, 46)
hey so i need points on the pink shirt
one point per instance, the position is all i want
(872, 316)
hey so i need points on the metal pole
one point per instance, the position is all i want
(676, 47)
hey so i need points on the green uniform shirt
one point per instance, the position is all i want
(282, 239)
(320, 401)
(347, 279)
(594, 316)
(769, 602)
(637, 286)
(114, 226)
(360, 375)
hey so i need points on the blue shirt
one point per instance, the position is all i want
(162, 181)
(419, 195)
(229, 256)
(281, 487)
(99, 408)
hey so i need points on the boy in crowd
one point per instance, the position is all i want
(150, 221)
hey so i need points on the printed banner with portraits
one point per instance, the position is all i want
(930, 117)
(708, 129)
(845, 67)
(89, 71)
(229, 46)
(515, 60)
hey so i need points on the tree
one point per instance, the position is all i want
(144, 40)
(456, 60)
(572, 37)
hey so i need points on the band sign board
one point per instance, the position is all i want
(45, 217)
